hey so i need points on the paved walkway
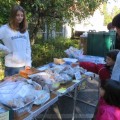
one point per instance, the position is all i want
(85, 106)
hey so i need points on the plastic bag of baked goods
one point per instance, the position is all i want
(66, 77)
(41, 97)
(12, 93)
(74, 52)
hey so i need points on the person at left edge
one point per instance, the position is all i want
(16, 41)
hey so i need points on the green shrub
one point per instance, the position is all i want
(1, 68)
(44, 52)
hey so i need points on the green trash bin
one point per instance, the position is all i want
(99, 43)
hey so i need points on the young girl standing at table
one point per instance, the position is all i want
(109, 102)
(16, 42)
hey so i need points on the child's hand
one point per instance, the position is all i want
(27, 67)
(102, 92)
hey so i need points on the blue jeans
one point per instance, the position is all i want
(9, 71)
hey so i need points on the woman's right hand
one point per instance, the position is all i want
(7, 51)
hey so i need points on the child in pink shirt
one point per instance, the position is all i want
(109, 102)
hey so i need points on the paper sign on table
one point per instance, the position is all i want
(76, 81)
(62, 90)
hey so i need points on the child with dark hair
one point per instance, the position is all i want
(109, 102)
(103, 70)
(110, 26)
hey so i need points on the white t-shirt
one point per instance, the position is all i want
(116, 69)
(17, 45)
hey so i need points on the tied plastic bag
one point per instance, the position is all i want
(58, 68)
(65, 77)
(74, 52)
(44, 76)
(69, 71)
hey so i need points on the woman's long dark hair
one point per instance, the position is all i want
(12, 23)
(112, 93)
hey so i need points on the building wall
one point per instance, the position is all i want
(95, 22)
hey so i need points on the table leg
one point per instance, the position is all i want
(56, 110)
(74, 103)
(45, 114)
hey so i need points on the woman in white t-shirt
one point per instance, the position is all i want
(16, 42)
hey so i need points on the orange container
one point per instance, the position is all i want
(26, 73)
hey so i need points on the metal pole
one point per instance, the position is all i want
(74, 103)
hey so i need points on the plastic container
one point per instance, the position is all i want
(23, 110)
(99, 43)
